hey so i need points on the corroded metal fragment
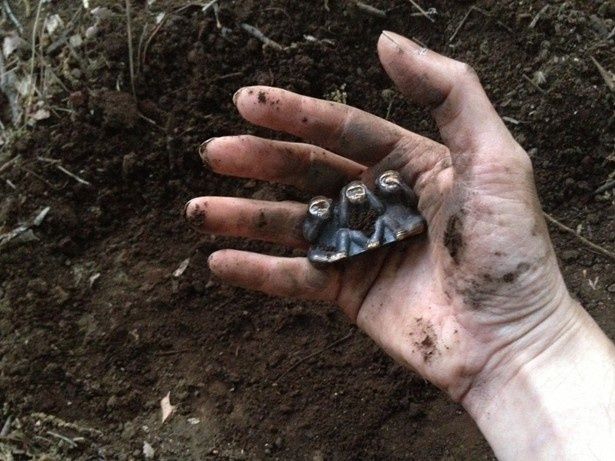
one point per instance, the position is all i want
(361, 219)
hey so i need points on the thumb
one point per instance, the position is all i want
(462, 110)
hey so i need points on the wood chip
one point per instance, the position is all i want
(182, 268)
(166, 407)
(148, 451)
(607, 76)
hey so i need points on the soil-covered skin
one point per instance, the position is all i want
(94, 327)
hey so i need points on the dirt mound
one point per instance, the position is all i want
(94, 327)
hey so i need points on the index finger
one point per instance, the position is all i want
(345, 130)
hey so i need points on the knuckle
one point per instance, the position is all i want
(467, 72)
(523, 160)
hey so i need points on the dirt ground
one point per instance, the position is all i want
(94, 327)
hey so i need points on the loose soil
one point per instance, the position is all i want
(95, 329)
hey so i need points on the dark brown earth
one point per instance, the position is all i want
(94, 328)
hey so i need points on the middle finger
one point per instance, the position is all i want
(304, 166)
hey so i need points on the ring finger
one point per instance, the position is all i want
(275, 222)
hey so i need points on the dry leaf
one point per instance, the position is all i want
(76, 41)
(100, 13)
(11, 43)
(53, 23)
(91, 32)
(166, 407)
(148, 451)
(24, 85)
(41, 114)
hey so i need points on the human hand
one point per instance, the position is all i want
(468, 304)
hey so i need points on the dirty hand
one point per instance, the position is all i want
(473, 305)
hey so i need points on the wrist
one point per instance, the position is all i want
(552, 401)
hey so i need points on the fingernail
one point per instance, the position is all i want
(236, 95)
(195, 218)
(209, 260)
(185, 211)
(203, 153)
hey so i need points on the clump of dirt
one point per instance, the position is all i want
(117, 109)
(95, 328)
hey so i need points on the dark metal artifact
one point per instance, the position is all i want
(361, 220)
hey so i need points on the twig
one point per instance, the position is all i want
(27, 7)
(151, 122)
(6, 165)
(314, 354)
(537, 17)
(461, 23)
(162, 22)
(606, 186)
(582, 239)
(608, 77)
(59, 423)
(140, 48)
(422, 11)
(216, 14)
(40, 178)
(33, 50)
(150, 38)
(73, 175)
(63, 438)
(364, 7)
(389, 109)
(47, 159)
(533, 83)
(6, 427)
(467, 15)
(131, 57)
(257, 34)
(12, 17)
(208, 6)
(227, 76)
(176, 352)
(420, 42)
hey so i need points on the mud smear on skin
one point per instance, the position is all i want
(453, 239)
(277, 222)
(477, 292)
(196, 219)
(424, 339)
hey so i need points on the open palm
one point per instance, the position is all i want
(454, 304)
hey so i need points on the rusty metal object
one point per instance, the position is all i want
(389, 214)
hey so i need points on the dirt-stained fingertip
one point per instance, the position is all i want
(210, 260)
(194, 213)
(203, 152)
(236, 95)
